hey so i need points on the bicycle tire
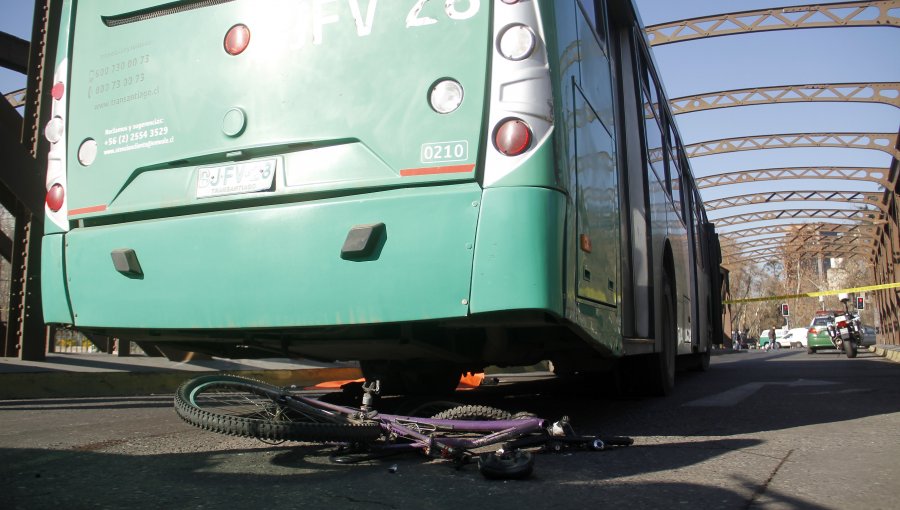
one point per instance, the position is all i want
(239, 406)
(473, 412)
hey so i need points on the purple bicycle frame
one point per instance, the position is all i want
(407, 426)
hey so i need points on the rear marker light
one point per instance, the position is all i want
(446, 96)
(55, 197)
(87, 152)
(512, 137)
(237, 39)
(58, 90)
(517, 42)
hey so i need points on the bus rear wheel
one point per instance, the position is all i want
(653, 375)
(661, 372)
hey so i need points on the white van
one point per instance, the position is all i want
(795, 337)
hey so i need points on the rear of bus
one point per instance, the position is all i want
(338, 179)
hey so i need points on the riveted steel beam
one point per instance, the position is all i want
(858, 197)
(800, 244)
(14, 53)
(844, 14)
(26, 332)
(799, 228)
(870, 174)
(779, 254)
(804, 252)
(870, 216)
(886, 93)
(736, 245)
(807, 235)
(886, 142)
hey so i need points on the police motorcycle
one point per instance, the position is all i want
(846, 331)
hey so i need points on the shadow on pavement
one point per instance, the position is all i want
(294, 477)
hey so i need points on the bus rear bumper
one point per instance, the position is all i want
(279, 266)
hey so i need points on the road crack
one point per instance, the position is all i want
(765, 486)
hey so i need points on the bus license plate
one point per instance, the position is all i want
(236, 178)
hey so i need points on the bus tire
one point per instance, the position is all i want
(700, 360)
(658, 373)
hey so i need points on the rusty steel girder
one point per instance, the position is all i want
(844, 14)
(885, 93)
(886, 142)
(778, 255)
(803, 252)
(864, 216)
(881, 176)
(806, 228)
(16, 98)
(863, 245)
(850, 197)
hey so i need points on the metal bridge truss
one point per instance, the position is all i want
(22, 180)
(16, 99)
(850, 197)
(844, 14)
(880, 176)
(885, 93)
(799, 229)
(776, 254)
(885, 231)
(802, 246)
(886, 142)
(864, 216)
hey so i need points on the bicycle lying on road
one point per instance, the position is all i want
(244, 407)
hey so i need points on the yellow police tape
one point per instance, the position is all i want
(814, 294)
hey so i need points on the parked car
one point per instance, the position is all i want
(795, 337)
(869, 337)
(817, 336)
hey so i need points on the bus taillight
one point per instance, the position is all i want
(58, 90)
(56, 196)
(516, 42)
(237, 39)
(512, 137)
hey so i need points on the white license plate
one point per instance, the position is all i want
(236, 178)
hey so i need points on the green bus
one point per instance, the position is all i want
(428, 187)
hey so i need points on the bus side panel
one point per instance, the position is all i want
(55, 298)
(281, 266)
(519, 253)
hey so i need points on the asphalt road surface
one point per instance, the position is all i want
(759, 430)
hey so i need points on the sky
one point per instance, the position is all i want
(16, 20)
(831, 55)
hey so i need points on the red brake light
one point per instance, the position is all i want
(55, 197)
(812, 330)
(513, 137)
(237, 39)
(842, 324)
(58, 90)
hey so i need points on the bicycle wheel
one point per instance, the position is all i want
(243, 407)
(470, 412)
